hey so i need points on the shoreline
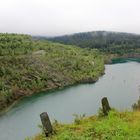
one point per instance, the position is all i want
(85, 81)
(90, 80)
(110, 57)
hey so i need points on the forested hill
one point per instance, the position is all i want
(111, 42)
(28, 66)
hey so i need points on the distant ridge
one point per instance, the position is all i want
(106, 41)
(116, 32)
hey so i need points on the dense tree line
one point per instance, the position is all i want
(110, 42)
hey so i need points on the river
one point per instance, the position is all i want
(121, 84)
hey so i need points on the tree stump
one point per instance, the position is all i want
(105, 105)
(46, 123)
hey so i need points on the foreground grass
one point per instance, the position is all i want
(117, 126)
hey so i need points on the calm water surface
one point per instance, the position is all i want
(121, 84)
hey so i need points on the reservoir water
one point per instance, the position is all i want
(121, 84)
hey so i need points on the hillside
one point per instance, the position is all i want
(112, 126)
(116, 126)
(29, 66)
(108, 42)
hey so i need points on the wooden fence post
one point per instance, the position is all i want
(46, 123)
(105, 105)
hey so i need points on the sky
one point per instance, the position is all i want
(59, 17)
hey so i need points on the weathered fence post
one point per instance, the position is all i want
(46, 123)
(105, 105)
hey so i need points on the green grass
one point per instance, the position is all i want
(116, 126)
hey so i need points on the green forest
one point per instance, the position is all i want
(106, 42)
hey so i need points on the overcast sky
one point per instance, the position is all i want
(58, 17)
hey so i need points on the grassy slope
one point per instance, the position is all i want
(117, 126)
(29, 66)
